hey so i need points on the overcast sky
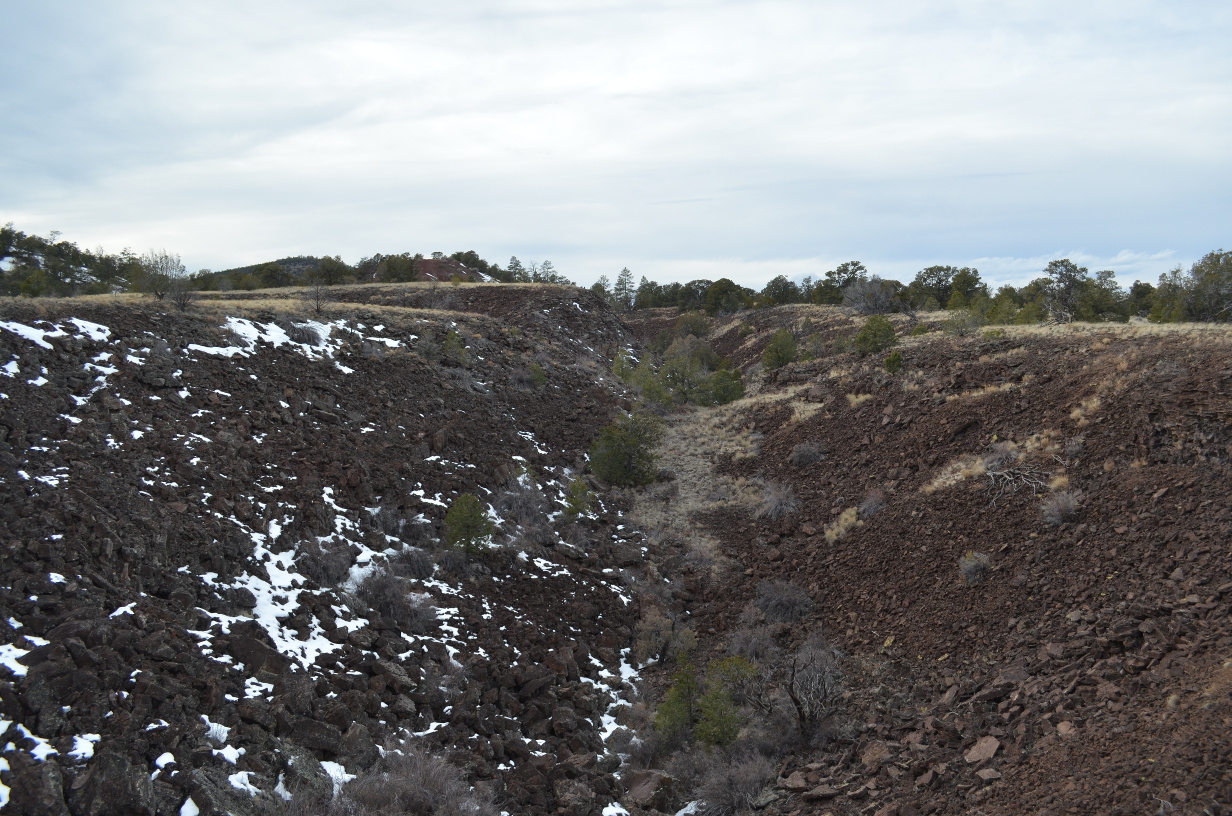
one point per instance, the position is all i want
(680, 138)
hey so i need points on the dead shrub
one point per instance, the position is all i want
(782, 602)
(413, 562)
(753, 643)
(388, 520)
(814, 683)
(409, 781)
(325, 566)
(806, 453)
(522, 505)
(421, 615)
(974, 567)
(1060, 507)
(727, 790)
(661, 638)
(777, 501)
(385, 594)
(452, 561)
(302, 333)
(874, 502)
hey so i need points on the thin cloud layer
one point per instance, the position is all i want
(747, 139)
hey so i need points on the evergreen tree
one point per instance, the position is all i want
(623, 293)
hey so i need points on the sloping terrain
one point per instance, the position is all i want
(224, 583)
(1020, 543)
(227, 586)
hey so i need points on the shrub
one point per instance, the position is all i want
(718, 718)
(745, 329)
(873, 296)
(781, 351)
(994, 334)
(521, 505)
(694, 323)
(579, 499)
(466, 524)
(303, 333)
(413, 562)
(753, 644)
(732, 790)
(408, 781)
(920, 328)
(877, 334)
(452, 562)
(806, 453)
(385, 594)
(1061, 507)
(421, 616)
(454, 349)
(325, 566)
(720, 388)
(677, 713)
(814, 682)
(660, 638)
(537, 378)
(974, 567)
(777, 501)
(782, 602)
(894, 362)
(874, 502)
(623, 454)
(963, 322)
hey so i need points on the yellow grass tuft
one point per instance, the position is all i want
(961, 469)
(1059, 482)
(847, 521)
(856, 400)
(986, 391)
(1083, 411)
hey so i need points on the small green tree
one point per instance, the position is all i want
(677, 714)
(781, 351)
(894, 362)
(718, 718)
(623, 453)
(877, 334)
(466, 524)
(579, 499)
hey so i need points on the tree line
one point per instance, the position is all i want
(37, 266)
(1064, 292)
(34, 266)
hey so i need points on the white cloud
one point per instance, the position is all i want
(664, 136)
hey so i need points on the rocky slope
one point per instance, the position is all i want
(1020, 543)
(225, 586)
(223, 577)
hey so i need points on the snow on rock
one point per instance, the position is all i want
(9, 655)
(83, 746)
(240, 782)
(338, 774)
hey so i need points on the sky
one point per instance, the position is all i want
(682, 139)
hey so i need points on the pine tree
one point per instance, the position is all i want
(624, 292)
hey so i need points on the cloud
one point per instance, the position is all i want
(666, 136)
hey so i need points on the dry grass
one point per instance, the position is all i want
(986, 391)
(802, 411)
(856, 400)
(964, 467)
(847, 521)
(1082, 413)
